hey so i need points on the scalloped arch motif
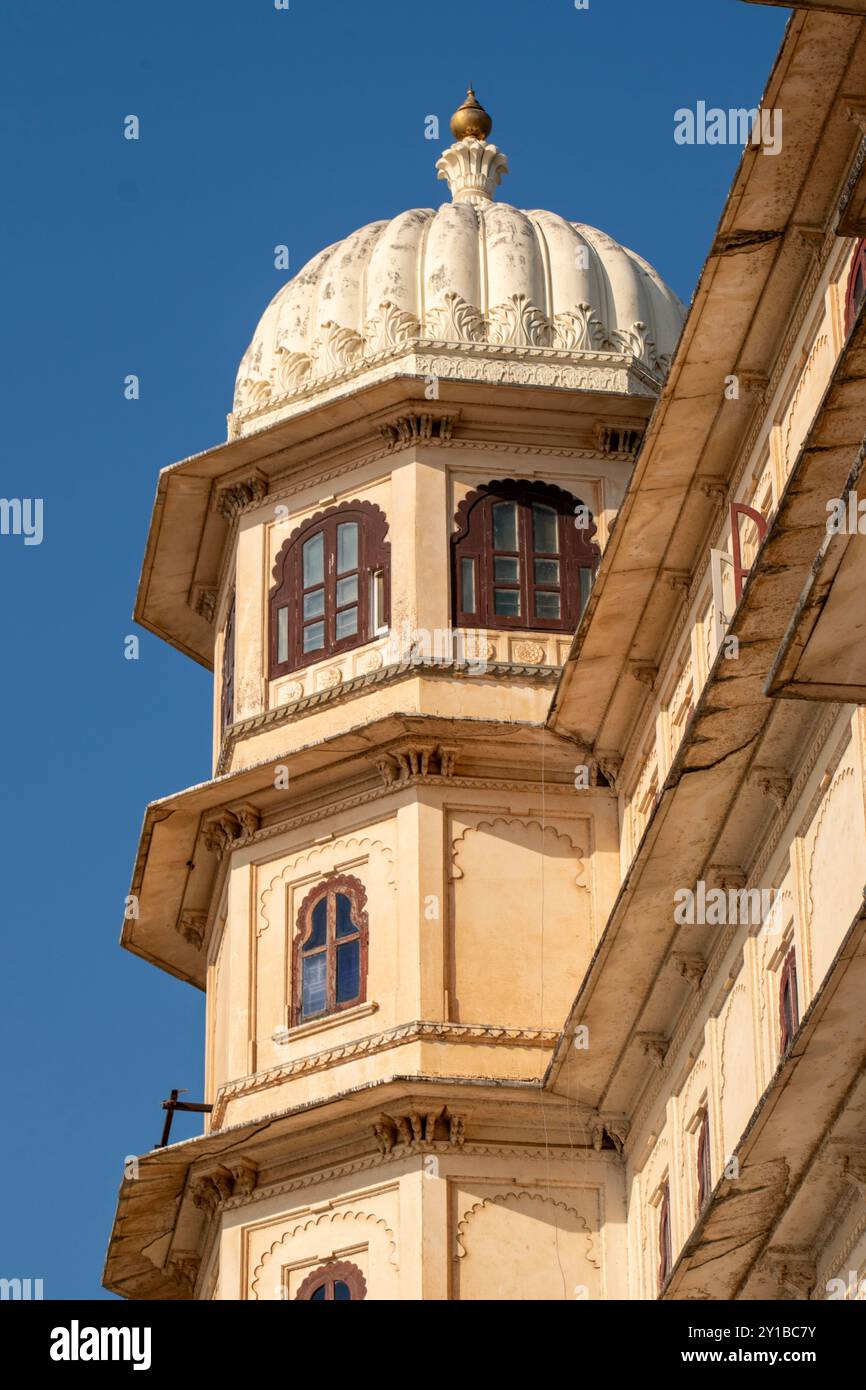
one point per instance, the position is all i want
(370, 510)
(503, 1198)
(580, 853)
(325, 1218)
(320, 852)
(507, 487)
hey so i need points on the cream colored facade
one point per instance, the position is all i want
(541, 1044)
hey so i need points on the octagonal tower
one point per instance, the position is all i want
(390, 890)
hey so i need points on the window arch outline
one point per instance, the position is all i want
(330, 888)
(855, 291)
(473, 551)
(289, 591)
(336, 1271)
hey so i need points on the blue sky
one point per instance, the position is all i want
(156, 257)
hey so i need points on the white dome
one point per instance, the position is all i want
(478, 279)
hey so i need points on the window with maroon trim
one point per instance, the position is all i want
(789, 1008)
(705, 1175)
(332, 586)
(519, 559)
(227, 694)
(330, 952)
(338, 1282)
(665, 1248)
(856, 291)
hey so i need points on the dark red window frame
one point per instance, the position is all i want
(351, 888)
(227, 694)
(789, 1005)
(705, 1174)
(665, 1246)
(337, 1272)
(288, 591)
(472, 546)
(856, 291)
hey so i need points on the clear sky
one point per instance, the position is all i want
(258, 126)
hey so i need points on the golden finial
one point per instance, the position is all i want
(471, 120)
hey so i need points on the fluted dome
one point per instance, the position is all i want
(474, 289)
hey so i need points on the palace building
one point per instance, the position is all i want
(526, 620)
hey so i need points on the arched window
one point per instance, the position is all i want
(339, 1281)
(856, 285)
(521, 558)
(330, 955)
(332, 586)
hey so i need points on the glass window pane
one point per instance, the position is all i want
(347, 591)
(505, 526)
(314, 637)
(378, 600)
(545, 532)
(348, 970)
(315, 983)
(345, 925)
(347, 623)
(319, 1295)
(506, 602)
(467, 585)
(347, 546)
(547, 605)
(547, 571)
(341, 1292)
(585, 586)
(314, 560)
(506, 570)
(319, 929)
(282, 634)
(314, 603)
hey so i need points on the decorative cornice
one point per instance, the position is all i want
(357, 685)
(417, 1031)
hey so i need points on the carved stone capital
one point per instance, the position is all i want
(691, 968)
(714, 488)
(204, 602)
(645, 672)
(611, 766)
(238, 497)
(773, 784)
(244, 1175)
(613, 1127)
(184, 1266)
(654, 1046)
(424, 428)
(191, 924)
(727, 876)
(417, 1129)
(678, 580)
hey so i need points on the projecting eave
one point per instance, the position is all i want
(823, 653)
(198, 498)
(738, 747)
(777, 212)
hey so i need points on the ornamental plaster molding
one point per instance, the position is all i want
(415, 1131)
(521, 349)
(547, 832)
(354, 1217)
(517, 1194)
(325, 856)
(417, 1031)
